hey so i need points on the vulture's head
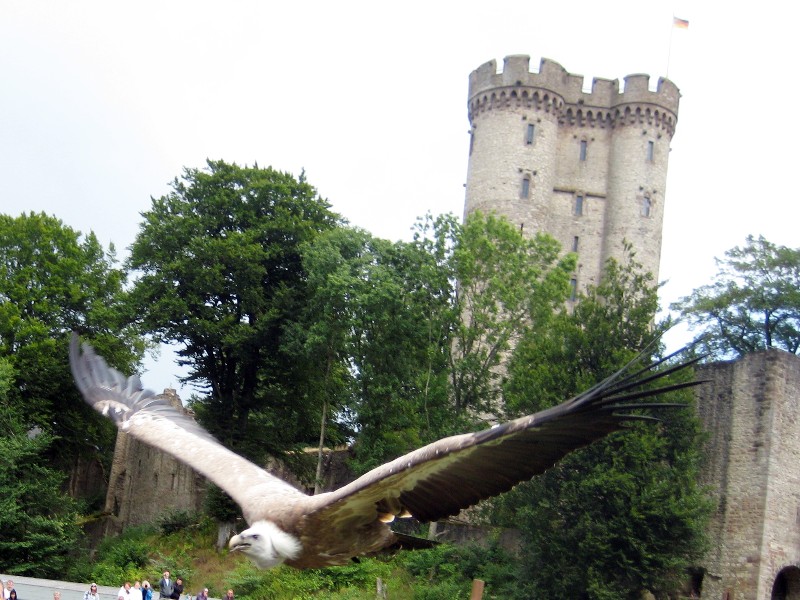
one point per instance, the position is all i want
(266, 544)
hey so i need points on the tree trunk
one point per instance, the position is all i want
(224, 531)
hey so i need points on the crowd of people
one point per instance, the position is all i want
(140, 590)
(167, 588)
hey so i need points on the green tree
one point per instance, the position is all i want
(427, 351)
(54, 280)
(321, 339)
(39, 523)
(753, 304)
(370, 323)
(400, 353)
(507, 284)
(220, 273)
(623, 515)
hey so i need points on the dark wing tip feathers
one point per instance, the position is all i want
(530, 445)
(628, 383)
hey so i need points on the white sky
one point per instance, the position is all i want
(103, 103)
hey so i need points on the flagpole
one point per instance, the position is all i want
(676, 22)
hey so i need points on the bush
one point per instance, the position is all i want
(349, 581)
(176, 520)
(442, 591)
(448, 570)
(122, 558)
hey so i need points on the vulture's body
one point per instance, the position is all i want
(430, 483)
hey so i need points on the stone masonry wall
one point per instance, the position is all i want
(587, 167)
(749, 409)
(146, 483)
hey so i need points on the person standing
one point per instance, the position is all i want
(229, 595)
(166, 586)
(178, 589)
(8, 588)
(136, 591)
(202, 595)
(147, 591)
(91, 593)
(125, 591)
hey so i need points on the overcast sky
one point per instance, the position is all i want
(103, 103)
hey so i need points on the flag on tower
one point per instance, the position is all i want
(680, 23)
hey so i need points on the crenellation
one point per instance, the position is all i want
(515, 70)
(636, 83)
(605, 89)
(554, 81)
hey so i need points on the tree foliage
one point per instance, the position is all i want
(220, 273)
(54, 280)
(507, 284)
(39, 524)
(625, 514)
(422, 353)
(374, 328)
(753, 304)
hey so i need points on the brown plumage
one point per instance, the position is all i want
(430, 483)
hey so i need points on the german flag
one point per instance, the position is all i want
(680, 23)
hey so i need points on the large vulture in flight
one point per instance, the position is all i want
(433, 482)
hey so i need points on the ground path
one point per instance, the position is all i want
(31, 588)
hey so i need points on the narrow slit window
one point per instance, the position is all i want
(573, 289)
(575, 244)
(583, 150)
(578, 206)
(530, 132)
(647, 206)
(650, 151)
(526, 188)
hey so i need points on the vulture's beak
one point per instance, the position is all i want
(237, 543)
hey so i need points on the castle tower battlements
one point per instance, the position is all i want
(589, 168)
(553, 88)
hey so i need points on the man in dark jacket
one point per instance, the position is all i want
(166, 586)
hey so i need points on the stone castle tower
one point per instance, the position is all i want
(589, 168)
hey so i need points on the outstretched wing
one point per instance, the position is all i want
(454, 473)
(154, 421)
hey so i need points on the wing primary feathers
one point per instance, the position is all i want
(614, 378)
(495, 459)
(619, 399)
(635, 381)
(612, 387)
(116, 396)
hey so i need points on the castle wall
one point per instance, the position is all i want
(145, 483)
(594, 169)
(750, 410)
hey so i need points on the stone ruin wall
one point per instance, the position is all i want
(145, 483)
(749, 409)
